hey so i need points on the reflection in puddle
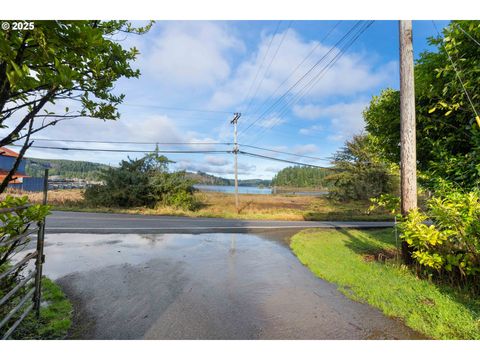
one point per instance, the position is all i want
(206, 286)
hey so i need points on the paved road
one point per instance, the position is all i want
(102, 223)
(203, 286)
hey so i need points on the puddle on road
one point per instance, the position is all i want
(206, 286)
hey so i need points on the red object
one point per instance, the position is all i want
(7, 152)
(17, 177)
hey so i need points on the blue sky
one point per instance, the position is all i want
(228, 66)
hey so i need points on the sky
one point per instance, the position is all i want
(196, 74)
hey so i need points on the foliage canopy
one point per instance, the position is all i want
(301, 176)
(61, 70)
(142, 182)
(360, 174)
(448, 136)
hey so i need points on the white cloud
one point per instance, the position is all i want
(273, 169)
(305, 149)
(309, 111)
(216, 160)
(190, 54)
(271, 122)
(345, 118)
(315, 129)
(352, 74)
(244, 169)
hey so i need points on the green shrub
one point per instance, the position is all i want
(360, 174)
(12, 224)
(445, 240)
(142, 182)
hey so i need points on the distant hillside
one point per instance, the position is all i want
(207, 179)
(87, 170)
(67, 169)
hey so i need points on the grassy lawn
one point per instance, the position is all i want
(55, 316)
(221, 205)
(363, 265)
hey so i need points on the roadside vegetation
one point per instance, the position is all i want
(56, 314)
(360, 173)
(144, 182)
(441, 238)
(365, 266)
(213, 204)
(436, 290)
(40, 71)
(55, 309)
(302, 177)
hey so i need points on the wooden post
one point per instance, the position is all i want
(40, 257)
(235, 154)
(408, 158)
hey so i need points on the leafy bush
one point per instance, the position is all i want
(360, 173)
(142, 182)
(16, 223)
(446, 238)
(13, 224)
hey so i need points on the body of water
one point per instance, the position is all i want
(256, 190)
(231, 189)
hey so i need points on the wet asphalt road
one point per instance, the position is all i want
(203, 286)
(83, 222)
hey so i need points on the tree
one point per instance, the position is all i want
(142, 182)
(60, 70)
(301, 176)
(361, 174)
(448, 136)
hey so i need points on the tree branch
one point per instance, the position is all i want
(30, 116)
(14, 169)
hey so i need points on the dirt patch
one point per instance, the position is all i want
(380, 255)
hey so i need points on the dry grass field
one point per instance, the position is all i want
(268, 207)
(55, 197)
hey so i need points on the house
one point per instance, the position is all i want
(7, 160)
(20, 179)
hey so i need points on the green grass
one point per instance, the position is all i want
(344, 257)
(55, 316)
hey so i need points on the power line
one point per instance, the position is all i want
(170, 143)
(272, 106)
(307, 87)
(176, 152)
(466, 33)
(313, 81)
(266, 73)
(130, 151)
(283, 160)
(261, 65)
(134, 142)
(283, 152)
(458, 75)
(298, 65)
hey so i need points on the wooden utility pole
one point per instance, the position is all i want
(234, 121)
(408, 158)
